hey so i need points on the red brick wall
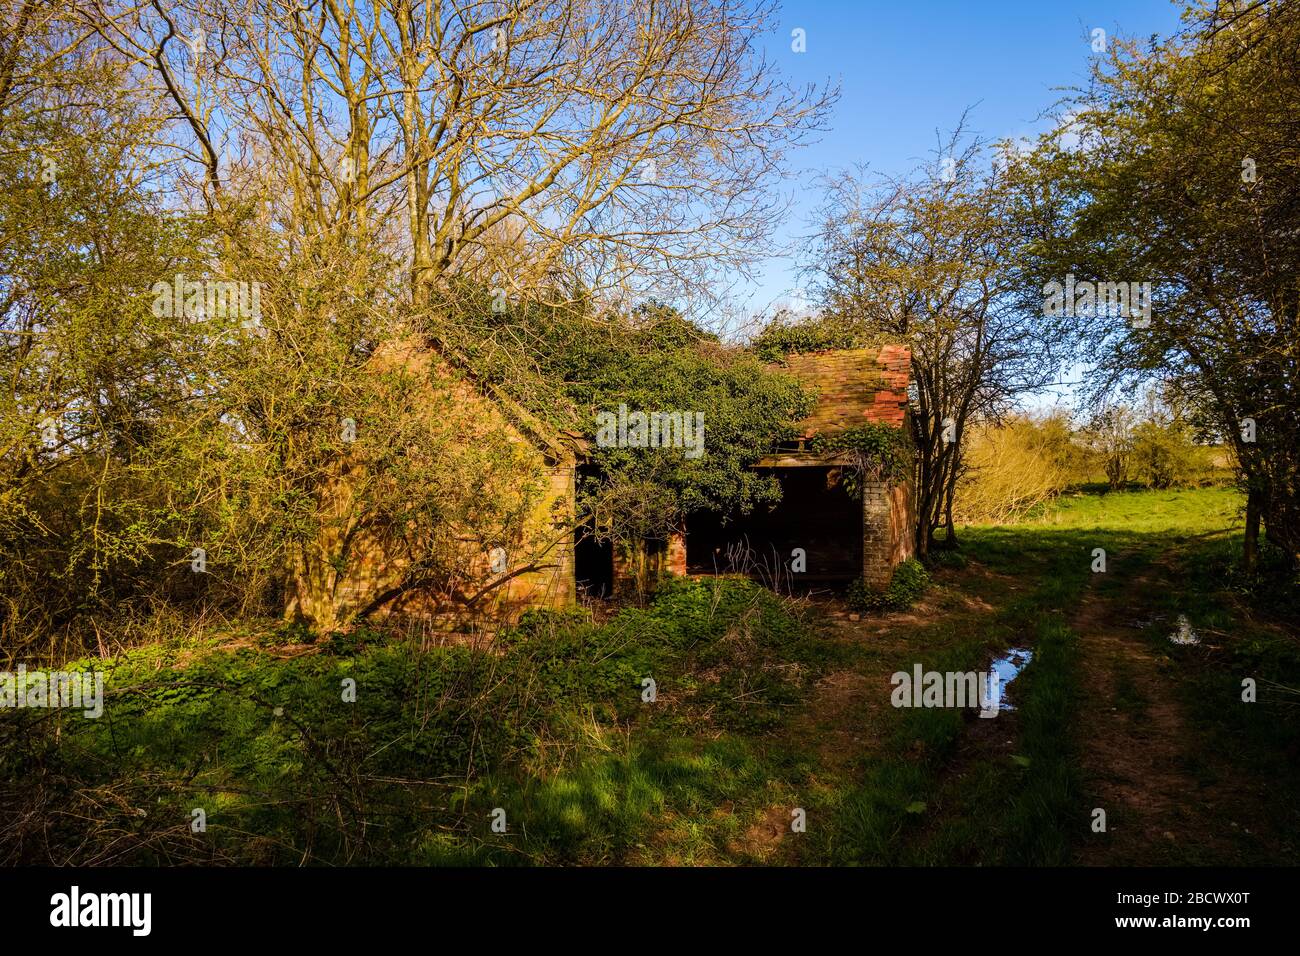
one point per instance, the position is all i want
(675, 561)
(890, 402)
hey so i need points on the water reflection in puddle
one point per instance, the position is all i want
(1007, 668)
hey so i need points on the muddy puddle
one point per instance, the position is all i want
(1007, 668)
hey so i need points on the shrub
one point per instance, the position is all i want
(908, 582)
(1010, 468)
(1164, 454)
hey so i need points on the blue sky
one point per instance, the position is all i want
(907, 69)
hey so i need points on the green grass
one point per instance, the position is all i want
(1176, 512)
(910, 809)
(1190, 542)
(552, 729)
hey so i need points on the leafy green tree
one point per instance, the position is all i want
(1179, 166)
(1163, 454)
(1110, 437)
(1164, 450)
(101, 389)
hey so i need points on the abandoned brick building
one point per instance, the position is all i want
(841, 536)
(497, 579)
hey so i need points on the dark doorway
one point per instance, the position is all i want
(815, 513)
(593, 563)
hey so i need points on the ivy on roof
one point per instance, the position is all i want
(781, 337)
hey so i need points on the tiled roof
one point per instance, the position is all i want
(854, 386)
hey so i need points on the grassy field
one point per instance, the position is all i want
(769, 738)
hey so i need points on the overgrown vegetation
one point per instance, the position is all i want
(571, 365)
(1014, 467)
(554, 726)
(786, 335)
(907, 583)
(554, 731)
(235, 309)
(876, 451)
(279, 354)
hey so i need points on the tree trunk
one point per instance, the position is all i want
(950, 542)
(1250, 547)
(311, 598)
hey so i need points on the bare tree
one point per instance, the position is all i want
(928, 261)
(378, 163)
(621, 145)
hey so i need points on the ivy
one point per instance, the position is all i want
(876, 452)
(907, 583)
(778, 339)
(575, 365)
